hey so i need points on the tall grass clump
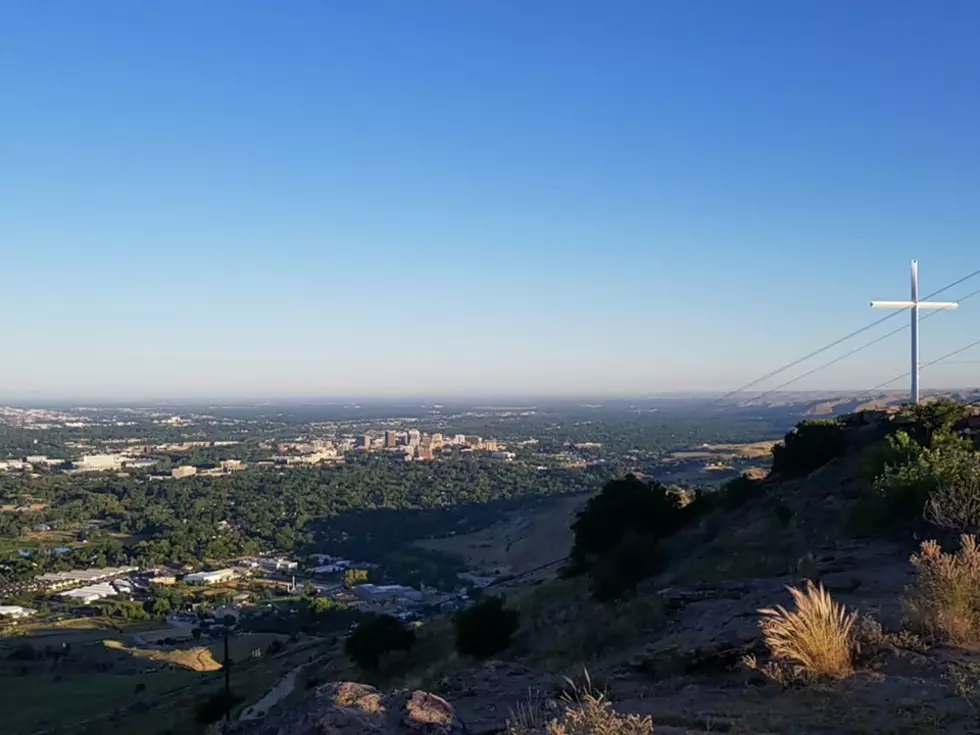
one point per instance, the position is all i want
(944, 604)
(815, 640)
(585, 712)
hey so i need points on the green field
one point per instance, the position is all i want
(36, 702)
(94, 689)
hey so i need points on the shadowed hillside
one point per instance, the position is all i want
(802, 602)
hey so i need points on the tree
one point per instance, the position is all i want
(628, 504)
(618, 573)
(935, 417)
(373, 638)
(810, 445)
(485, 627)
(354, 577)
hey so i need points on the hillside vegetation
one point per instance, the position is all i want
(806, 601)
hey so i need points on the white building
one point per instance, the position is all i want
(15, 611)
(79, 577)
(100, 462)
(183, 471)
(278, 565)
(215, 577)
(91, 593)
(43, 460)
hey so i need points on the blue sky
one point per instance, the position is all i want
(450, 197)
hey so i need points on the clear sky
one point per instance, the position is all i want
(445, 197)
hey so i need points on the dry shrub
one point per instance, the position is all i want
(944, 605)
(815, 640)
(955, 504)
(586, 712)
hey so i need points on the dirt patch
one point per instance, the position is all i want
(194, 659)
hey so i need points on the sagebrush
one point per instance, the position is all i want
(944, 603)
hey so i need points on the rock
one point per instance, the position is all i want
(349, 708)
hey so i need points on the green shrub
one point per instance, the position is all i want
(905, 487)
(736, 493)
(485, 627)
(810, 445)
(373, 638)
(617, 574)
(624, 505)
(937, 417)
(939, 483)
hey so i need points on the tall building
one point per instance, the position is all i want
(414, 437)
(391, 439)
(364, 441)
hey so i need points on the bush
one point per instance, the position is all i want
(810, 445)
(617, 574)
(585, 711)
(624, 505)
(937, 417)
(485, 628)
(214, 707)
(913, 474)
(373, 638)
(815, 640)
(956, 505)
(944, 604)
(736, 493)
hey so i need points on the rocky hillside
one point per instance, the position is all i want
(687, 649)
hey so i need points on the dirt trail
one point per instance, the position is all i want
(283, 688)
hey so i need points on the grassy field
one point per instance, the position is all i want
(35, 702)
(107, 683)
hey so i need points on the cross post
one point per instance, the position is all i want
(915, 306)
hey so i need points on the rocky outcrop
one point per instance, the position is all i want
(358, 709)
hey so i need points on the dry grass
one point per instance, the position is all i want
(195, 659)
(816, 640)
(584, 712)
(944, 605)
(563, 628)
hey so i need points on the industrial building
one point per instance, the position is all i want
(78, 577)
(215, 577)
(91, 593)
(15, 611)
(278, 565)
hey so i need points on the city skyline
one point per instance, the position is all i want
(457, 200)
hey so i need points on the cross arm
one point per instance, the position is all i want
(924, 305)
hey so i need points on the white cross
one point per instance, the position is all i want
(915, 305)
